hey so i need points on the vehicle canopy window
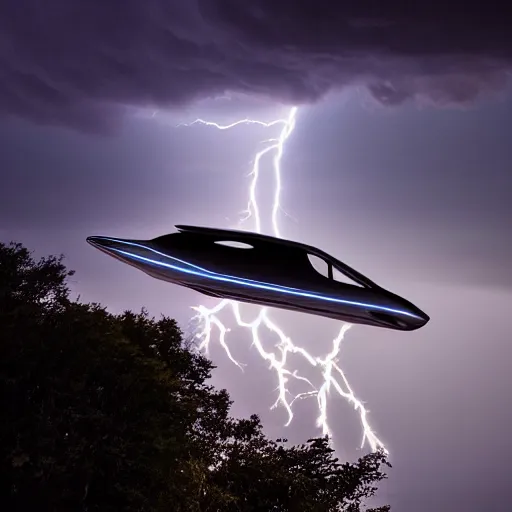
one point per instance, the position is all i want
(234, 244)
(252, 256)
(272, 258)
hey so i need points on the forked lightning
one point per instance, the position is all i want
(333, 377)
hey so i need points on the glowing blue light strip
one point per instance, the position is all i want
(247, 282)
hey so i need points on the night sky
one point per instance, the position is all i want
(400, 165)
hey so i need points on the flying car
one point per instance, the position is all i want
(264, 270)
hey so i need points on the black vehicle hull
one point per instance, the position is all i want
(272, 273)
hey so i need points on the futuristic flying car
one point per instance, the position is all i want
(264, 270)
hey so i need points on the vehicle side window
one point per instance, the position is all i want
(327, 270)
(319, 264)
(342, 278)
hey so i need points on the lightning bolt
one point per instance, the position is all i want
(333, 377)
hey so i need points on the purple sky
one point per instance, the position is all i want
(400, 165)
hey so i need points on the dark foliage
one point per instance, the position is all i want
(114, 412)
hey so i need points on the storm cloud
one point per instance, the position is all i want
(81, 62)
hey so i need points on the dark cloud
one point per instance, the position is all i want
(76, 62)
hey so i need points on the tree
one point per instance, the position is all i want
(114, 412)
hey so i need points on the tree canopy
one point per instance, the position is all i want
(115, 412)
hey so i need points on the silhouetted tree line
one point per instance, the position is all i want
(113, 413)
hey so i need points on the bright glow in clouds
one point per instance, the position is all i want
(333, 377)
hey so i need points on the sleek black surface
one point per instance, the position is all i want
(267, 271)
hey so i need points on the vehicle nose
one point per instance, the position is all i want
(421, 318)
